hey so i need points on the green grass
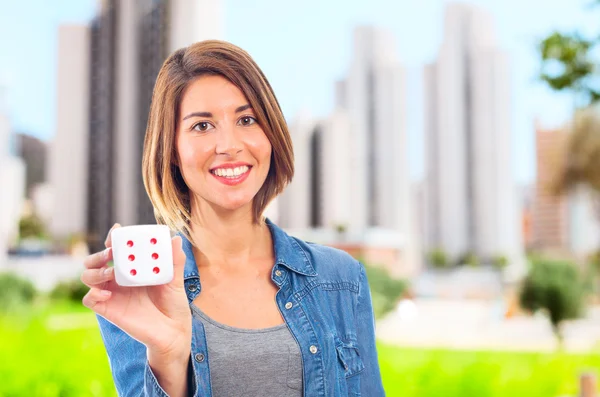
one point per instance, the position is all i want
(433, 373)
(40, 356)
(43, 355)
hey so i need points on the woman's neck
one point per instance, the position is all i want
(229, 240)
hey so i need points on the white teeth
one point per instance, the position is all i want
(231, 172)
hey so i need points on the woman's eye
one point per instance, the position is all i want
(247, 120)
(202, 126)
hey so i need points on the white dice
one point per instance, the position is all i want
(142, 255)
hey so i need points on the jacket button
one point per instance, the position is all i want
(199, 357)
(313, 349)
(288, 305)
(192, 287)
(278, 273)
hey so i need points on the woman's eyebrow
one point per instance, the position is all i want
(209, 114)
(243, 107)
(198, 114)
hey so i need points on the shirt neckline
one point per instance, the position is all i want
(226, 327)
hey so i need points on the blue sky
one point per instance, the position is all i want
(303, 48)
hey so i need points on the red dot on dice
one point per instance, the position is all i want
(131, 257)
(152, 241)
(130, 243)
(155, 256)
(133, 272)
(156, 270)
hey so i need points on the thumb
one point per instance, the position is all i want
(179, 259)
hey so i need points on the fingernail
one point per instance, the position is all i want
(108, 270)
(105, 292)
(106, 251)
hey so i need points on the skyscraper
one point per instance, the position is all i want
(12, 193)
(68, 158)
(373, 97)
(33, 151)
(130, 41)
(550, 212)
(471, 196)
(295, 201)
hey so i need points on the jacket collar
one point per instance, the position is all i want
(288, 253)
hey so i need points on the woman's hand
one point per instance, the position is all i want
(157, 316)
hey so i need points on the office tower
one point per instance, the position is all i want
(33, 151)
(471, 196)
(12, 193)
(550, 216)
(295, 201)
(318, 196)
(373, 97)
(67, 170)
(130, 41)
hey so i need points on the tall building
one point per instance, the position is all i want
(471, 195)
(12, 194)
(295, 201)
(67, 170)
(33, 151)
(564, 223)
(550, 215)
(352, 188)
(129, 42)
(373, 97)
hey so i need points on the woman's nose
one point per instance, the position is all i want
(228, 141)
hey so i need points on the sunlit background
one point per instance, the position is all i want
(452, 147)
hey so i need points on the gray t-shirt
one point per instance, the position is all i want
(252, 362)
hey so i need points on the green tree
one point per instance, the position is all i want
(569, 64)
(555, 288)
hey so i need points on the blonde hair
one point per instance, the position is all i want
(164, 183)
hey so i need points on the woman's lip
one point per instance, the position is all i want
(230, 165)
(233, 181)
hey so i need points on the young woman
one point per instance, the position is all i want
(251, 311)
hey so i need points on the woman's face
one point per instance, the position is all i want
(223, 154)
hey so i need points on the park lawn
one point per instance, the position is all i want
(58, 352)
(42, 356)
(432, 373)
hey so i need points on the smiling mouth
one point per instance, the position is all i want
(231, 173)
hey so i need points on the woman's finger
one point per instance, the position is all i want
(96, 299)
(99, 259)
(108, 241)
(92, 277)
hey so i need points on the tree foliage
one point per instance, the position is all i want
(556, 288)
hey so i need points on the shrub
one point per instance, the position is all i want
(556, 288)
(438, 258)
(31, 226)
(499, 261)
(468, 258)
(385, 290)
(73, 290)
(15, 291)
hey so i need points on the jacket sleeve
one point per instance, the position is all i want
(370, 380)
(131, 372)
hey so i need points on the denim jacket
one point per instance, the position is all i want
(325, 300)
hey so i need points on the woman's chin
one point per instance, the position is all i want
(234, 205)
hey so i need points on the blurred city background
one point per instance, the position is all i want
(452, 147)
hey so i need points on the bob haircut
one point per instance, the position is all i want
(164, 183)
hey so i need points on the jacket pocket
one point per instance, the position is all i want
(349, 358)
